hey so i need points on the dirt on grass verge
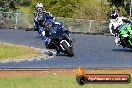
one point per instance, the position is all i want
(45, 72)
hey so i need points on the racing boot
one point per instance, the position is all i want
(117, 41)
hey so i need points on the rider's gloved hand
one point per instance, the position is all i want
(67, 32)
(127, 21)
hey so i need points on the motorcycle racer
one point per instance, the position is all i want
(115, 22)
(47, 22)
(40, 18)
(41, 11)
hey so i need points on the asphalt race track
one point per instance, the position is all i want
(90, 51)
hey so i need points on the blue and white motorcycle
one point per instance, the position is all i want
(61, 39)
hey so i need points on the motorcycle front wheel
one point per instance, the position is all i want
(68, 50)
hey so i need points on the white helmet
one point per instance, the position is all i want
(39, 5)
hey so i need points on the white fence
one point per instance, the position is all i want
(25, 21)
(16, 21)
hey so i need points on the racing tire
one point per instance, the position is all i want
(68, 50)
(81, 80)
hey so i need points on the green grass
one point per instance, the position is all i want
(10, 51)
(51, 82)
(26, 10)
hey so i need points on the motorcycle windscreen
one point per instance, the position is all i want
(56, 32)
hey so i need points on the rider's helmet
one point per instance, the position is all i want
(40, 10)
(114, 14)
(39, 7)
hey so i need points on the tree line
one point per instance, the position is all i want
(85, 9)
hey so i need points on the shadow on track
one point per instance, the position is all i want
(123, 50)
(61, 54)
(38, 37)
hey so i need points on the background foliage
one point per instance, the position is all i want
(9, 5)
(89, 9)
